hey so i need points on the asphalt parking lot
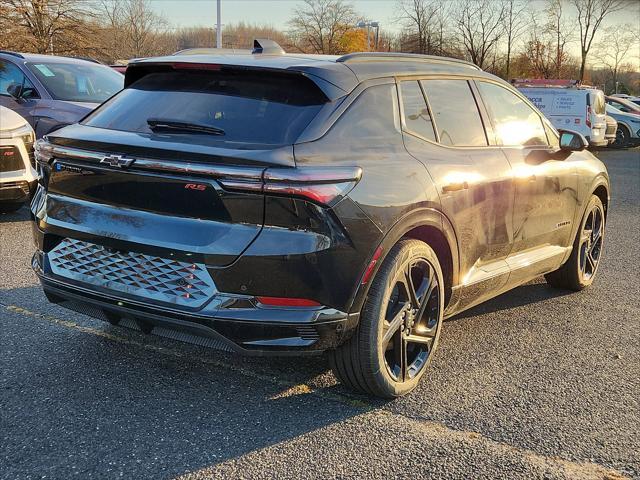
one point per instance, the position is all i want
(537, 383)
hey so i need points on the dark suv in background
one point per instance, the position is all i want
(51, 91)
(292, 204)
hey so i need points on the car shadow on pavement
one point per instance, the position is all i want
(83, 396)
(536, 291)
(21, 215)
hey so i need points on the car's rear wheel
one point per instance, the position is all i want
(580, 270)
(623, 137)
(399, 326)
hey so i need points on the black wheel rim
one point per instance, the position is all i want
(591, 243)
(412, 320)
(620, 137)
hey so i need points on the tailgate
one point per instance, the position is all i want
(181, 206)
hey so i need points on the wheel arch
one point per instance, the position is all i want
(430, 226)
(602, 192)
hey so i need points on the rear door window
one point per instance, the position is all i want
(246, 108)
(515, 122)
(417, 118)
(455, 112)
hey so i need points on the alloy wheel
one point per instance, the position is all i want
(591, 242)
(412, 320)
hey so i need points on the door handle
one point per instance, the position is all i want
(454, 187)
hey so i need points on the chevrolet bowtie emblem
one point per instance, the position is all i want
(118, 161)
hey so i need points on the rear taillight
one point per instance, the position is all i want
(287, 302)
(321, 185)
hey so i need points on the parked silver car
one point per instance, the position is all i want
(628, 132)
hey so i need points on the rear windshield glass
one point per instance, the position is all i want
(237, 107)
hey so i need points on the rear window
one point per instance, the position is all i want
(249, 108)
(599, 103)
(456, 114)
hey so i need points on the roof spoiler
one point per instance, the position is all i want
(267, 47)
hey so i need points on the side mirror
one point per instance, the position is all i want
(15, 90)
(572, 141)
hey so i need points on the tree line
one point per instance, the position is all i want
(511, 38)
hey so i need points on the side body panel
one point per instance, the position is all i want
(476, 193)
(394, 183)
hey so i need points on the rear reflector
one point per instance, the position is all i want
(287, 302)
(371, 266)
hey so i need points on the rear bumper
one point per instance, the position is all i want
(16, 191)
(228, 322)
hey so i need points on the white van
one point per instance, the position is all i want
(569, 106)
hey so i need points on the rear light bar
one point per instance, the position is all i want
(321, 185)
(287, 302)
(324, 185)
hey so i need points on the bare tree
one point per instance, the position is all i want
(113, 42)
(479, 23)
(591, 14)
(425, 21)
(561, 30)
(538, 48)
(50, 25)
(614, 49)
(142, 26)
(318, 25)
(515, 24)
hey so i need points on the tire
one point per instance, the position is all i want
(398, 333)
(579, 271)
(10, 207)
(623, 136)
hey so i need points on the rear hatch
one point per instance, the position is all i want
(175, 161)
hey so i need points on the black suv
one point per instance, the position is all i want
(293, 204)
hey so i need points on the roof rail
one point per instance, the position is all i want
(86, 59)
(9, 52)
(546, 82)
(267, 47)
(397, 56)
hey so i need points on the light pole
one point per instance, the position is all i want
(219, 28)
(368, 24)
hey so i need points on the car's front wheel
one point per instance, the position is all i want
(399, 326)
(580, 270)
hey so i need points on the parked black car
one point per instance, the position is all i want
(51, 91)
(293, 204)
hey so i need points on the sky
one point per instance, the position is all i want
(181, 13)
(273, 12)
(276, 13)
